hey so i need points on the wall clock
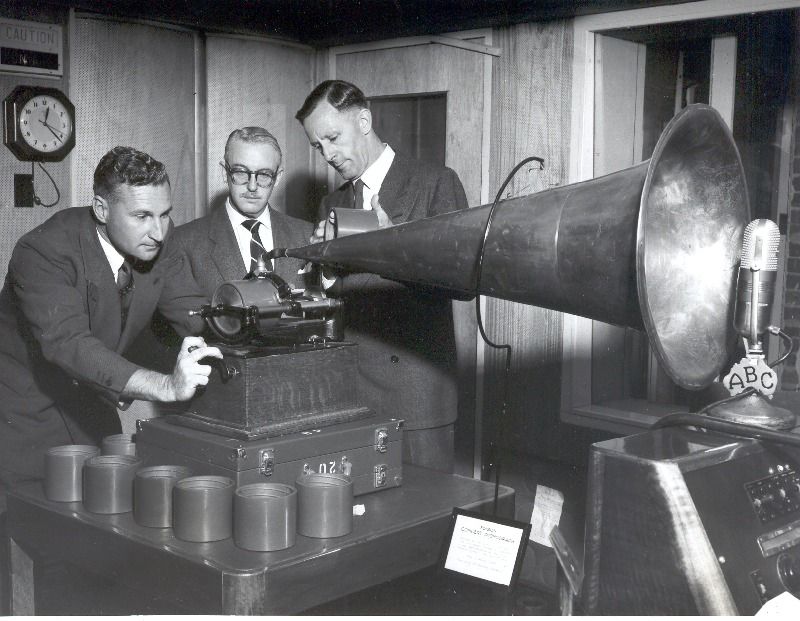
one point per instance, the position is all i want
(39, 124)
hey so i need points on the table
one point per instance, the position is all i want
(401, 532)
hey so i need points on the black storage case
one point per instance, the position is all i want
(371, 449)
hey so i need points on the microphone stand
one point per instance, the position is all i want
(752, 407)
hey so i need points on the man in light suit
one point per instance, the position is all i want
(407, 361)
(78, 291)
(221, 246)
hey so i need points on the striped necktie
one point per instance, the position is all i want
(125, 287)
(256, 247)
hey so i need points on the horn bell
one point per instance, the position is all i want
(655, 246)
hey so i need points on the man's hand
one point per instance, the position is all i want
(189, 373)
(184, 380)
(384, 220)
(319, 233)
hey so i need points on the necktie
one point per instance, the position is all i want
(358, 194)
(256, 247)
(125, 287)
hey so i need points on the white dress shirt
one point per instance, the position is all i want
(115, 259)
(374, 175)
(243, 235)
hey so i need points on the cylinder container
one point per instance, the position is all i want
(108, 483)
(63, 471)
(118, 444)
(202, 508)
(324, 505)
(344, 222)
(152, 494)
(265, 516)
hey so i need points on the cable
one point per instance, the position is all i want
(38, 200)
(736, 429)
(787, 339)
(748, 391)
(494, 453)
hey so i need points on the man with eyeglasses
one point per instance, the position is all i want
(226, 244)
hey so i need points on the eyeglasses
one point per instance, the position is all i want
(241, 176)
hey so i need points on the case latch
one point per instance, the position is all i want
(380, 475)
(266, 462)
(237, 455)
(381, 439)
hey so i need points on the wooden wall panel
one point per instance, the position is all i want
(133, 85)
(530, 116)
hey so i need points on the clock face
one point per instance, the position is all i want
(44, 123)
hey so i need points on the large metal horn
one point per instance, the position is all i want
(654, 246)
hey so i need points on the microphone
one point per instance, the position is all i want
(758, 273)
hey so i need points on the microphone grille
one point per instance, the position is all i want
(766, 252)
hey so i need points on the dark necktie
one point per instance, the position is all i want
(358, 194)
(256, 247)
(125, 288)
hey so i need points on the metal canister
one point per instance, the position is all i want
(324, 505)
(346, 221)
(108, 483)
(265, 516)
(152, 494)
(202, 508)
(118, 444)
(63, 471)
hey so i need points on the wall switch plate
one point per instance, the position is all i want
(23, 190)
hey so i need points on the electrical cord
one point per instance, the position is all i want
(494, 452)
(749, 431)
(36, 199)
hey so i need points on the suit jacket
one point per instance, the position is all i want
(407, 361)
(62, 340)
(214, 255)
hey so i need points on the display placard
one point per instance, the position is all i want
(31, 48)
(485, 548)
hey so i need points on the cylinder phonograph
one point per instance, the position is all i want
(654, 247)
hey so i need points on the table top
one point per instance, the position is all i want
(401, 531)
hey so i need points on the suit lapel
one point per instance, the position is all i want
(225, 251)
(395, 197)
(105, 312)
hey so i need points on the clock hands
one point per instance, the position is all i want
(52, 131)
(46, 113)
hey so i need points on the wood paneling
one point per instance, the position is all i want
(133, 85)
(530, 116)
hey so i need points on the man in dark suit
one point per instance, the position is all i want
(79, 289)
(223, 245)
(405, 335)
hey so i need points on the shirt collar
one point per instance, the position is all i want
(374, 175)
(115, 259)
(237, 217)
